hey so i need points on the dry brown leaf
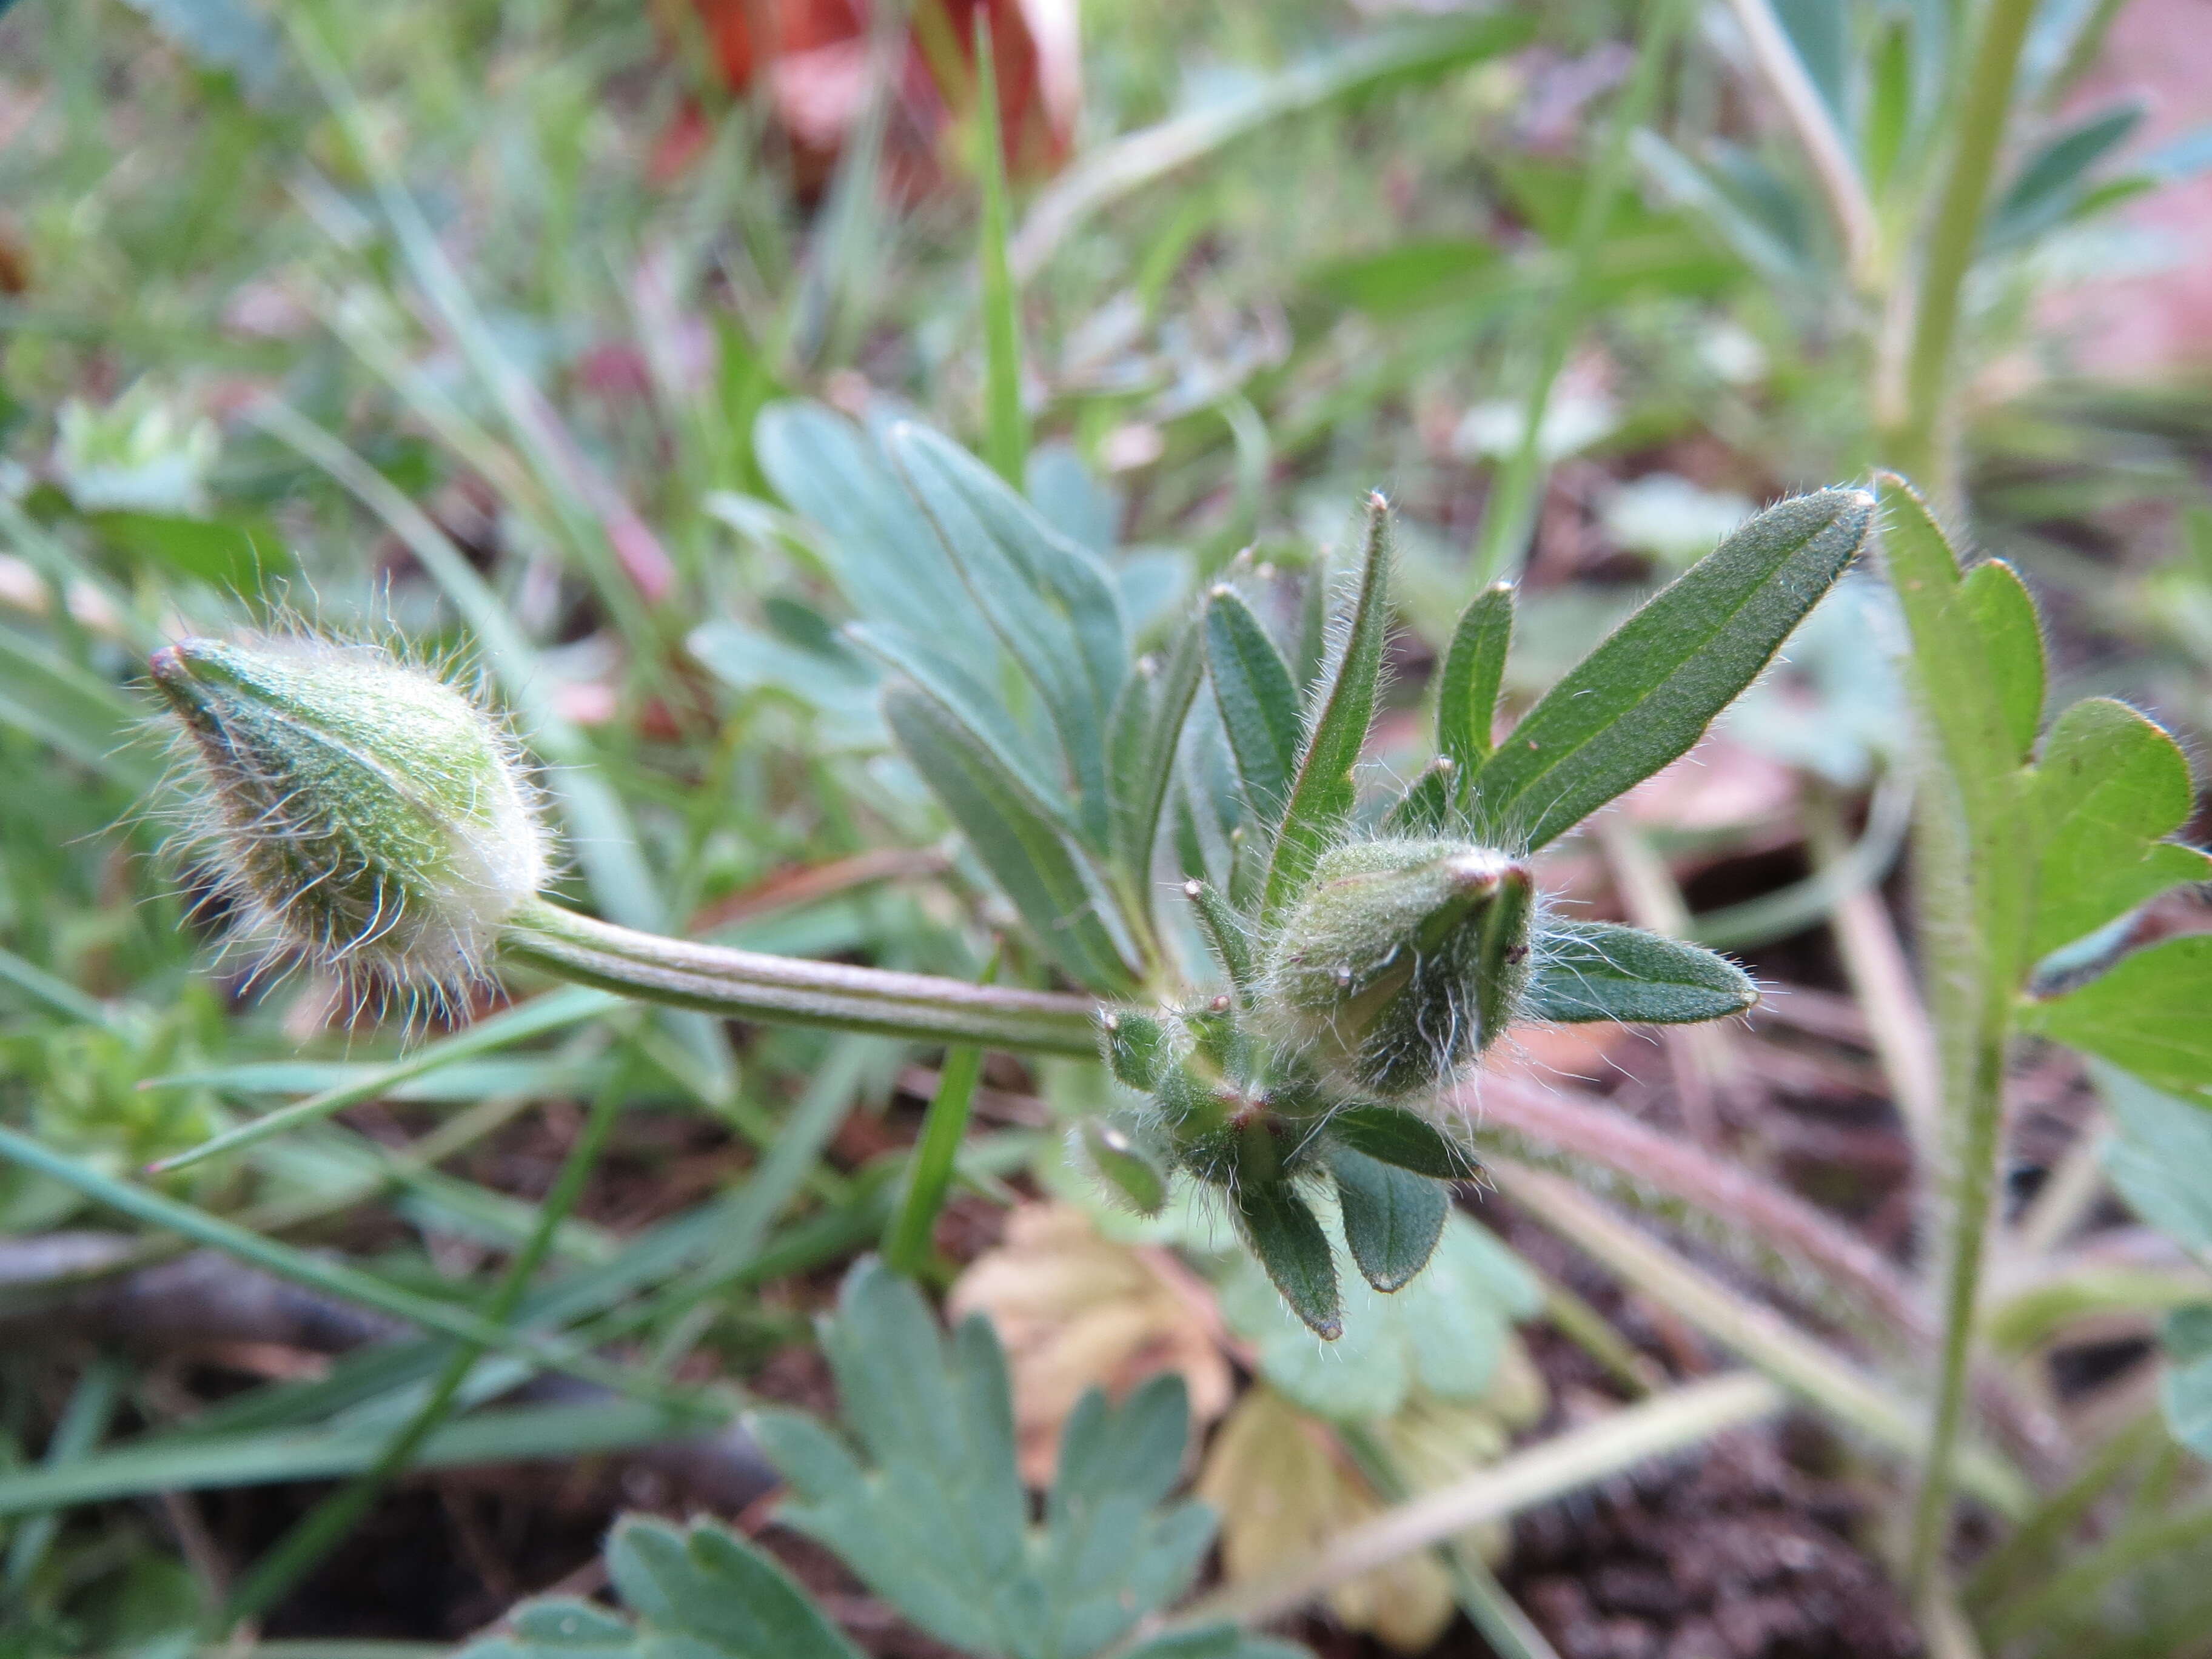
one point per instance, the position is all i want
(1075, 1310)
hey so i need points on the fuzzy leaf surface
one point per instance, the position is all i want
(2148, 1016)
(1404, 1138)
(931, 1513)
(1473, 670)
(1442, 1334)
(1259, 704)
(1322, 796)
(1997, 603)
(1280, 1226)
(1045, 877)
(1143, 743)
(1646, 694)
(1595, 970)
(2112, 786)
(1392, 1217)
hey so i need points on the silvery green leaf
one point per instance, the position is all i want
(1598, 970)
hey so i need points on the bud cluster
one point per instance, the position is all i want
(362, 812)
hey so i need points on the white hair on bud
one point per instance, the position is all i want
(363, 812)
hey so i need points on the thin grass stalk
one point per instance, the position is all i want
(1509, 510)
(327, 1526)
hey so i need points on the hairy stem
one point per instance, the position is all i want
(752, 985)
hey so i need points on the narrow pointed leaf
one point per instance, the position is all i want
(1145, 741)
(1646, 694)
(1405, 1138)
(2110, 787)
(954, 688)
(1285, 1234)
(1427, 806)
(1473, 670)
(2148, 1016)
(1029, 857)
(1594, 971)
(1259, 704)
(2002, 613)
(1392, 1217)
(882, 553)
(1321, 794)
(1050, 602)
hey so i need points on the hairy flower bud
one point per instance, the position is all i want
(1402, 962)
(360, 809)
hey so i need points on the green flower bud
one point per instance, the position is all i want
(360, 811)
(1401, 962)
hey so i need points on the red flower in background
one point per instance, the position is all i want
(809, 59)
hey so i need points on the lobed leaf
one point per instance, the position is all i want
(1050, 602)
(1994, 599)
(1473, 670)
(1647, 694)
(1049, 880)
(720, 1592)
(1322, 795)
(2110, 787)
(953, 687)
(1595, 970)
(1281, 1230)
(1392, 1217)
(933, 1517)
(1259, 703)
(2148, 1016)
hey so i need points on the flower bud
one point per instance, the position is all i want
(1402, 962)
(362, 810)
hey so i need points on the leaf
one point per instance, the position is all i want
(573, 1629)
(2112, 784)
(1404, 1138)
(1049, 881)
(709, 1585)
(953, 687)
(1215, 1642)
(1050, 601)
(889, 566)
(1425, 808)
(2160, 1159)
(1442, 1336)
(222, 34)
(1999, 607)
(1818, 31)
(2051, 182)
(1259, 704)
(1647, 694)
(1281, 1230)
(1474, 668)
(1143, 736)
(1322, 796)
(934, 1520)
(1594, 971)
(2186, 1393)
(1392, 1217)
(2148, 1016)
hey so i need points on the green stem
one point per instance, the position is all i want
(752, 985)
(1918, 440)
(327, 1525)
(907, 1239)
(1509, 511)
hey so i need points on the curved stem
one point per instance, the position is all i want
(788, 990)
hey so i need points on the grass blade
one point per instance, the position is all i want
(1006, 439)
